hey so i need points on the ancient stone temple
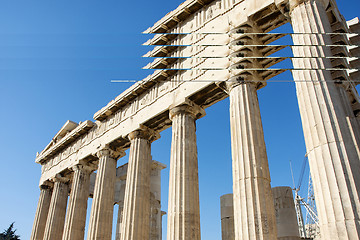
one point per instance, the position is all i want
(206, 51)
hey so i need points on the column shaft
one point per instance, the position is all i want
(57, 210)
(155, 202)
(100, 225)
(227, 217)
(332, 152)
(136, 213)
(119, 221)
(155, 218)
(41, 213)
(120, 203)
(254, 214)
(286, 220)
(77, 207)
(351, 120)
(183, 205)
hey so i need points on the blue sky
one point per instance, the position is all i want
(56, 62)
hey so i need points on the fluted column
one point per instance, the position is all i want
(57, 210)
(155, 201)
(351, 119)
(120, 209)
(227, 217)
(136, 213)
(254, 214)
(76, 213)
(100, 225)
(41, 212)
(119, 221)
(183, 205)
(332, 152)
(155, 218)
(286, 219)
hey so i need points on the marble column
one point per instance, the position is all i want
(286, 219)
(155, 201)
(155, 218)
(227, 217)
(119, 221)
(183, 205)
(100, 225)
(57, 210)
(136, 214)
(332, 152)
(351, 119)
(254, 214)
(41, 212)
(76, 213)
(120, 208)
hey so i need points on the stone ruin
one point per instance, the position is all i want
(206, 51)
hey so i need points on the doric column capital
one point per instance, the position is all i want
(107, 151)
(46, 185)
(234, 82)
(187, 107)
(287, 6)
(144, 133)
(85, 167)
(157, 165)
(60, 178)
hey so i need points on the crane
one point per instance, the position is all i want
(307, 229)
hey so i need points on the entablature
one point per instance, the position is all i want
(131, 93)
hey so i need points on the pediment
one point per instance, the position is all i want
(64, 130)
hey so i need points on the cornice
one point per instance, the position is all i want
(171, 19)
(70, 137)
